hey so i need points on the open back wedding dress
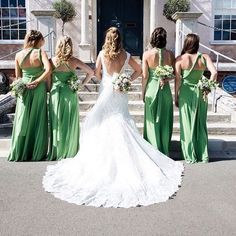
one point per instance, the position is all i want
(115, 166)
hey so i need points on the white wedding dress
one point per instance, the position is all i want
(115, 166)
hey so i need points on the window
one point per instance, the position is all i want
(225, 20)
(12, 19)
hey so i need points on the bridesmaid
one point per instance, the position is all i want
(30, 130)
(190, 67)
(63, 102)
(158, 117)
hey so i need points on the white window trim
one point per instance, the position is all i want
(222, 42)
(17, 41)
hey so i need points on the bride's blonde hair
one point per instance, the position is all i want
(113, 43)
(64, 49)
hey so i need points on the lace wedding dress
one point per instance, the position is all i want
(115, 166)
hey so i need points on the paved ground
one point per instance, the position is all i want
(205, 205)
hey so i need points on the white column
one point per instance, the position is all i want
(153, 15)
(186, 22)
(85, 46)
(84, 22)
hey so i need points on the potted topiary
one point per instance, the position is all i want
(173, 6)
(65, 11)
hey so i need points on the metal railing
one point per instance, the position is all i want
(51, 36)
(217, 54)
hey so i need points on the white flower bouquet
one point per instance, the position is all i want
(206, 86)
(164, 72)
(121, 82)
(18, 87)
(75, 83)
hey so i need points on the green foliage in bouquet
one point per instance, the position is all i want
(173, 6)
(18, 87)
(65, 11)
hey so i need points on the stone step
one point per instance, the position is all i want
(88, 96)
(133, 105)
(95, 87)
(216, 128)
(138, 116)
(216, 143)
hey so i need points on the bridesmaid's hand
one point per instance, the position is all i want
(33, 84)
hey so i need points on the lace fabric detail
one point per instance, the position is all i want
(115, 166)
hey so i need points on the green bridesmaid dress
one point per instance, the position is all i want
(30, 129)
(63, 117)
(193, 115)
(158, 117)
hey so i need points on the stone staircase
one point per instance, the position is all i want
(221, 129)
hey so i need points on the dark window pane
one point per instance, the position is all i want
(14, 34)
(21, 3)
(226, 24)
(233, 24)
(234, 17)
(13, 12)
(218, 24)
(22, 24)
(233, 36)
(22, 34)
(22, 12)
(218, 17)
(14, 24)
(4, 3)
(6, 34)
(13, 3)
(5, 13)
(5, 24)
(217, 35)
(226, 35)
(226, 17)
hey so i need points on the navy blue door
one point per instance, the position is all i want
(127, 15)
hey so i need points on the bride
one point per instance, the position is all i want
(115, 166)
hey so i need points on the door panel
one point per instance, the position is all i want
(127, 15)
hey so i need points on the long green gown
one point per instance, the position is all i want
(30, 129)
(64, 117)
(158, 116)
(193, 115)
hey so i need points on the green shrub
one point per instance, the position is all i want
(173, 6)
(65, 11)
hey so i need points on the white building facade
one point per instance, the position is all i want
(135, 18)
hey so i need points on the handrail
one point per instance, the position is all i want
(51, 33)
(218, 54)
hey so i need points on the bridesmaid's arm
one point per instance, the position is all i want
(46, 73)
(136, 67)
(98, 69)
(85, 68)
(177, 80)
(211, 67)
(18, 72)
(145, 75)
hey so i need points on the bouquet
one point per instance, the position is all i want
(206, 86)
(164, 72)
(18, 87)
(122, 82)
(74, 83)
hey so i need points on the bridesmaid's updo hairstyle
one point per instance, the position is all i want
(113, 43)
(158, 38)
(64, 49)
(191, 44)
(32, 38)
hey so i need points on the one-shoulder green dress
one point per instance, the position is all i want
(63, 117)
(193, 116)
(30, 129)
(158, 116)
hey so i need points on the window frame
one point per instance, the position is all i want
(15, 41)
(222, 11)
